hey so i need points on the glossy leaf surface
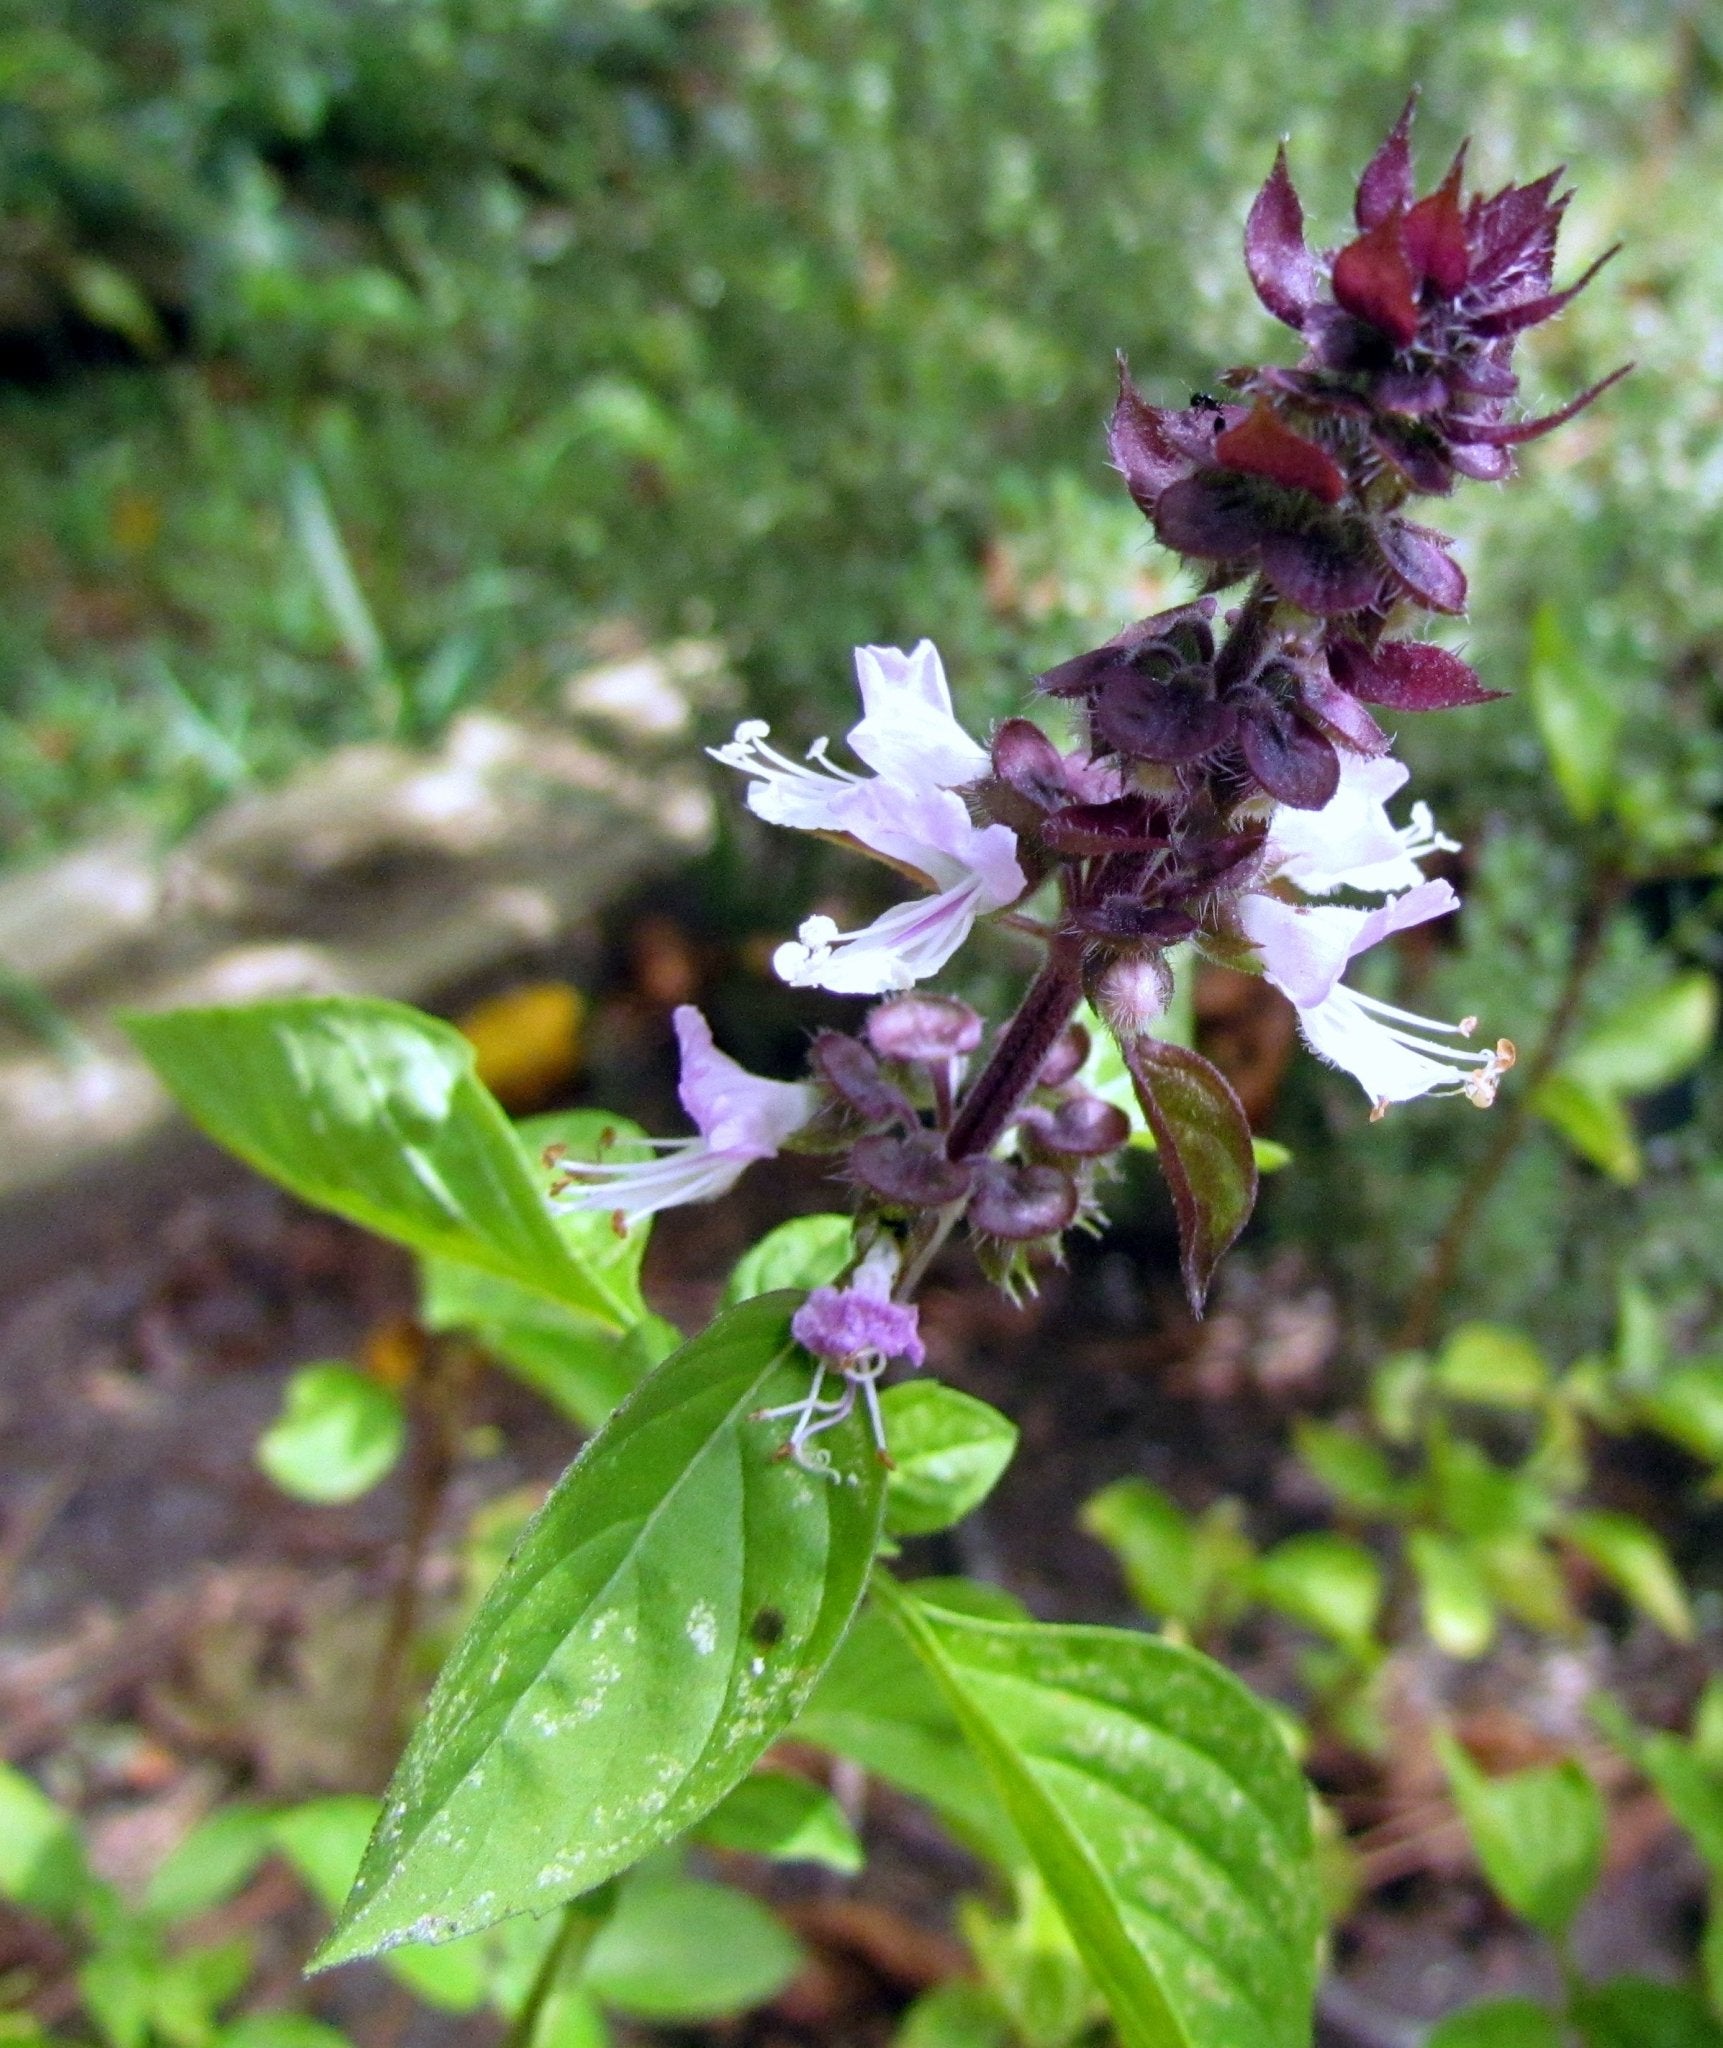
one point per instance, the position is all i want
(372, 1110)
(666, 1613)
(947, 1449)
(1162, 1811)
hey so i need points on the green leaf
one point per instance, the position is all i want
(947, 1450)
(1353, 1470)
(955, 2014)
(1641, 2012)
(1649, 1041)
(1597, 1124)
(1687, 1407)
(324, 1840)
(1492, 1366)
(1162, 1810)
(878, 1707)
(41, 1858)
(1203, 1143)
(667, 1612)
(1632, 1557)
(1578, 712)
(280, 2030)
(679, 1949)
(808, 1252)
(1687, 1782)
(1156, 1544)
(371, 1110)
(787, 1818)
(1539, 1834)
(1030, 1966)
(1329, 1583)
(1193, 1569)
(338, 1433)
(191, 1986)
(212, 1863)
(1459, 1609)
(581, 1365)
(1499, 2023)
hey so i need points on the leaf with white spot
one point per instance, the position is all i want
(1163, 1811)
(666, 1613)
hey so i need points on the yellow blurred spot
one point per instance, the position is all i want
(393, 1352)
(527, 1041)
(135, 521)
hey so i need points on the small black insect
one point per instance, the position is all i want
(767, 1627)
(1204, 401)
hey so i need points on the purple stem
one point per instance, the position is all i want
(1025, 1043)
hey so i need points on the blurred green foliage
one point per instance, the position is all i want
(363, 358)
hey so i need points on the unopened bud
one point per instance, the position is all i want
(1133, 992)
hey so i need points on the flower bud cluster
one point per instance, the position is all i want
(890, 1100)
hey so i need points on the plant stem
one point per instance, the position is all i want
(1023, 1045)
(923, 1248)
(581, 1920)
(442, 1408)
(1608, 886)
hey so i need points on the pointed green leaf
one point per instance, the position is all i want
(947, 1450)
(1539, 1833)
(667, 1612)
(1690, 1786)
(1579, 714)
(372, 1110)
(323, 1840)
(1203, 1142)
(1650, 1040)
(808, 1251)
(1499, 2023)
(1162, 1810)
(212, 1863)
(1493, 1366)
(1632, 1558)
(1459, 1609)
(1687, 1407)
(1329, 1583)
(338, 1433)
(790, 1819)
(679, 1949)
(41, 1859)
(1640, 2012)
(1597, 1124)
(579, 1364)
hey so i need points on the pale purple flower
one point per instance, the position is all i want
(1350, 843)
(740, 1117)
(856, 1331)
(907, 812)
(1393, 1054)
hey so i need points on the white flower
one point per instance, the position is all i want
(1392, 1054)
(740, 1118)
(1350, 843)
(907, 812)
